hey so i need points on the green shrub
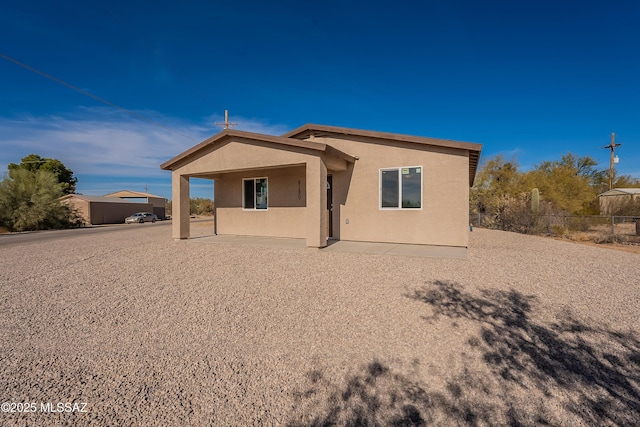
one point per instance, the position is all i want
(31, 201)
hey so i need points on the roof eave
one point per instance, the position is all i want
(169, 163)
(473, 149)
(278, 140)
(308, 128)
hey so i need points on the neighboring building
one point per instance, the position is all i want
(612, 201)
(319, 182)
(97, 210)
(159, 203)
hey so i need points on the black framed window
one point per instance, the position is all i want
(255, 193)
(401, 188)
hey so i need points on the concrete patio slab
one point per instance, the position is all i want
(422, 251)
(272, 242)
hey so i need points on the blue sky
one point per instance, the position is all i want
(528, 80)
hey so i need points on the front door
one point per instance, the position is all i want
(330, 205)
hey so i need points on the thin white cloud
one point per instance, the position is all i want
(92, 145)
(106, 144)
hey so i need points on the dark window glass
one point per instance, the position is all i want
(411, 187)
(390, 190)
(249, 194)
(261, 193)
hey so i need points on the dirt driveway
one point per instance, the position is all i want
(150, 331)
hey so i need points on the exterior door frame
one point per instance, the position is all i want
(330, 204)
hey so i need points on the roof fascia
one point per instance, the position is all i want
(621, 192)
(137, 194)
(308, 128)
(473, 149)
(254, 137)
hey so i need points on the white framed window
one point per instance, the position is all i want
(254, 194)
(401, 188)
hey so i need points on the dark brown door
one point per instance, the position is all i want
(330, 204)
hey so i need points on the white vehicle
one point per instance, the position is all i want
(141, 217)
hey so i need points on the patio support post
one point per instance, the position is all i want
(215, 211)
(316, 172)
(180, 206)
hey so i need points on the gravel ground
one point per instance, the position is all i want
(150, 331)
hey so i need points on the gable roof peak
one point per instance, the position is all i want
(252, 137)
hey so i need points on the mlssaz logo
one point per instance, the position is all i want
(63, 407)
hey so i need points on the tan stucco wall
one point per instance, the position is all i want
(444, 217)
(316, 212)
(276, 222)
(180, 214)
(234, 156)
(285, 216)
(442, 220)
(286, 187)
(286, 169)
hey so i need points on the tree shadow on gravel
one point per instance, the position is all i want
(373, 396)
(531, 372)
(592, 370)
(378, 395)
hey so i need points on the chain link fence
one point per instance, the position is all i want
(596, 228)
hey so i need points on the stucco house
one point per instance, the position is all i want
(319, 182)
(617, 199)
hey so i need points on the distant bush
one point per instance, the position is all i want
(513, 213)
(30, 200)
(628, 207)
(201, 206)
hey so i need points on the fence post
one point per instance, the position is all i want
(613, 225)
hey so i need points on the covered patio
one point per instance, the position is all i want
(264, 185)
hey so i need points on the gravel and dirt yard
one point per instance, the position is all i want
(150, 331)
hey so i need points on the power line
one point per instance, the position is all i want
(97, 98)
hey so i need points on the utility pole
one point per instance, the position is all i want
(613, 147)
(226, 123)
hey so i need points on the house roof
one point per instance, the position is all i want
(256, 137)
(621, 191)
(322, 130)
(101, 199)
(296, 138)
(135, 194)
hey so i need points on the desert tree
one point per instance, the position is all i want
(568, 183)
(496, 178)
(201, 206)
(34, 162)
(30, 200)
